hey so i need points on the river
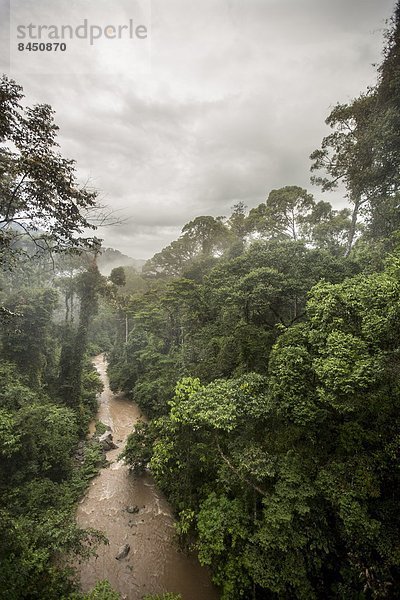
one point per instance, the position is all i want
(154, 564)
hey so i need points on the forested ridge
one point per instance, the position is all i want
(263, 346)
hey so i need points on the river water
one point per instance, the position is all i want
(154, 563)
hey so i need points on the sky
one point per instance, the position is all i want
(223, 101)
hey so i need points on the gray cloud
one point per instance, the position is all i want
(232, 106)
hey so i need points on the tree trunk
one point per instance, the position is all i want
(353, 226)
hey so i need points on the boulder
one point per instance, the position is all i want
(123, 551)
(106, 441)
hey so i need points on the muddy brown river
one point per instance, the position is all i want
(154, 564)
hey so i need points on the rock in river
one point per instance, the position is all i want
(106, 441)
(123, 552)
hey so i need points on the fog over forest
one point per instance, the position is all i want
(199, 300)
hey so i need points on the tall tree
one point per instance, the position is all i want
(88, 286)
(386, 128)
(202, 238)
(346, 155)
(385, 135)
(207, 235)
(237, 221)
(283, 214)
(39, 194)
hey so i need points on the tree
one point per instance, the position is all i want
(117, 276)
(283, 214)
(386, 125)
(40, 197)
(172, 259)
(101, 591)
(204, 237)
(237, 221)
(346, 154)
(206, 234)
(26, 338)
(364, 150)
(327, 228)
(89, 284)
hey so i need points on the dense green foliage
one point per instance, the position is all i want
(166, 596)
(40, 484)
(221, 323)
(102, 591)
(289, 480)
(48, 387)
(40, 478)
(266, 349)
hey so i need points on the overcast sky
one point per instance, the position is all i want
(224, 101)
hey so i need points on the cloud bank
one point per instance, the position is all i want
(230, 104)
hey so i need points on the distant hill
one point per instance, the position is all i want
(110, 258)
